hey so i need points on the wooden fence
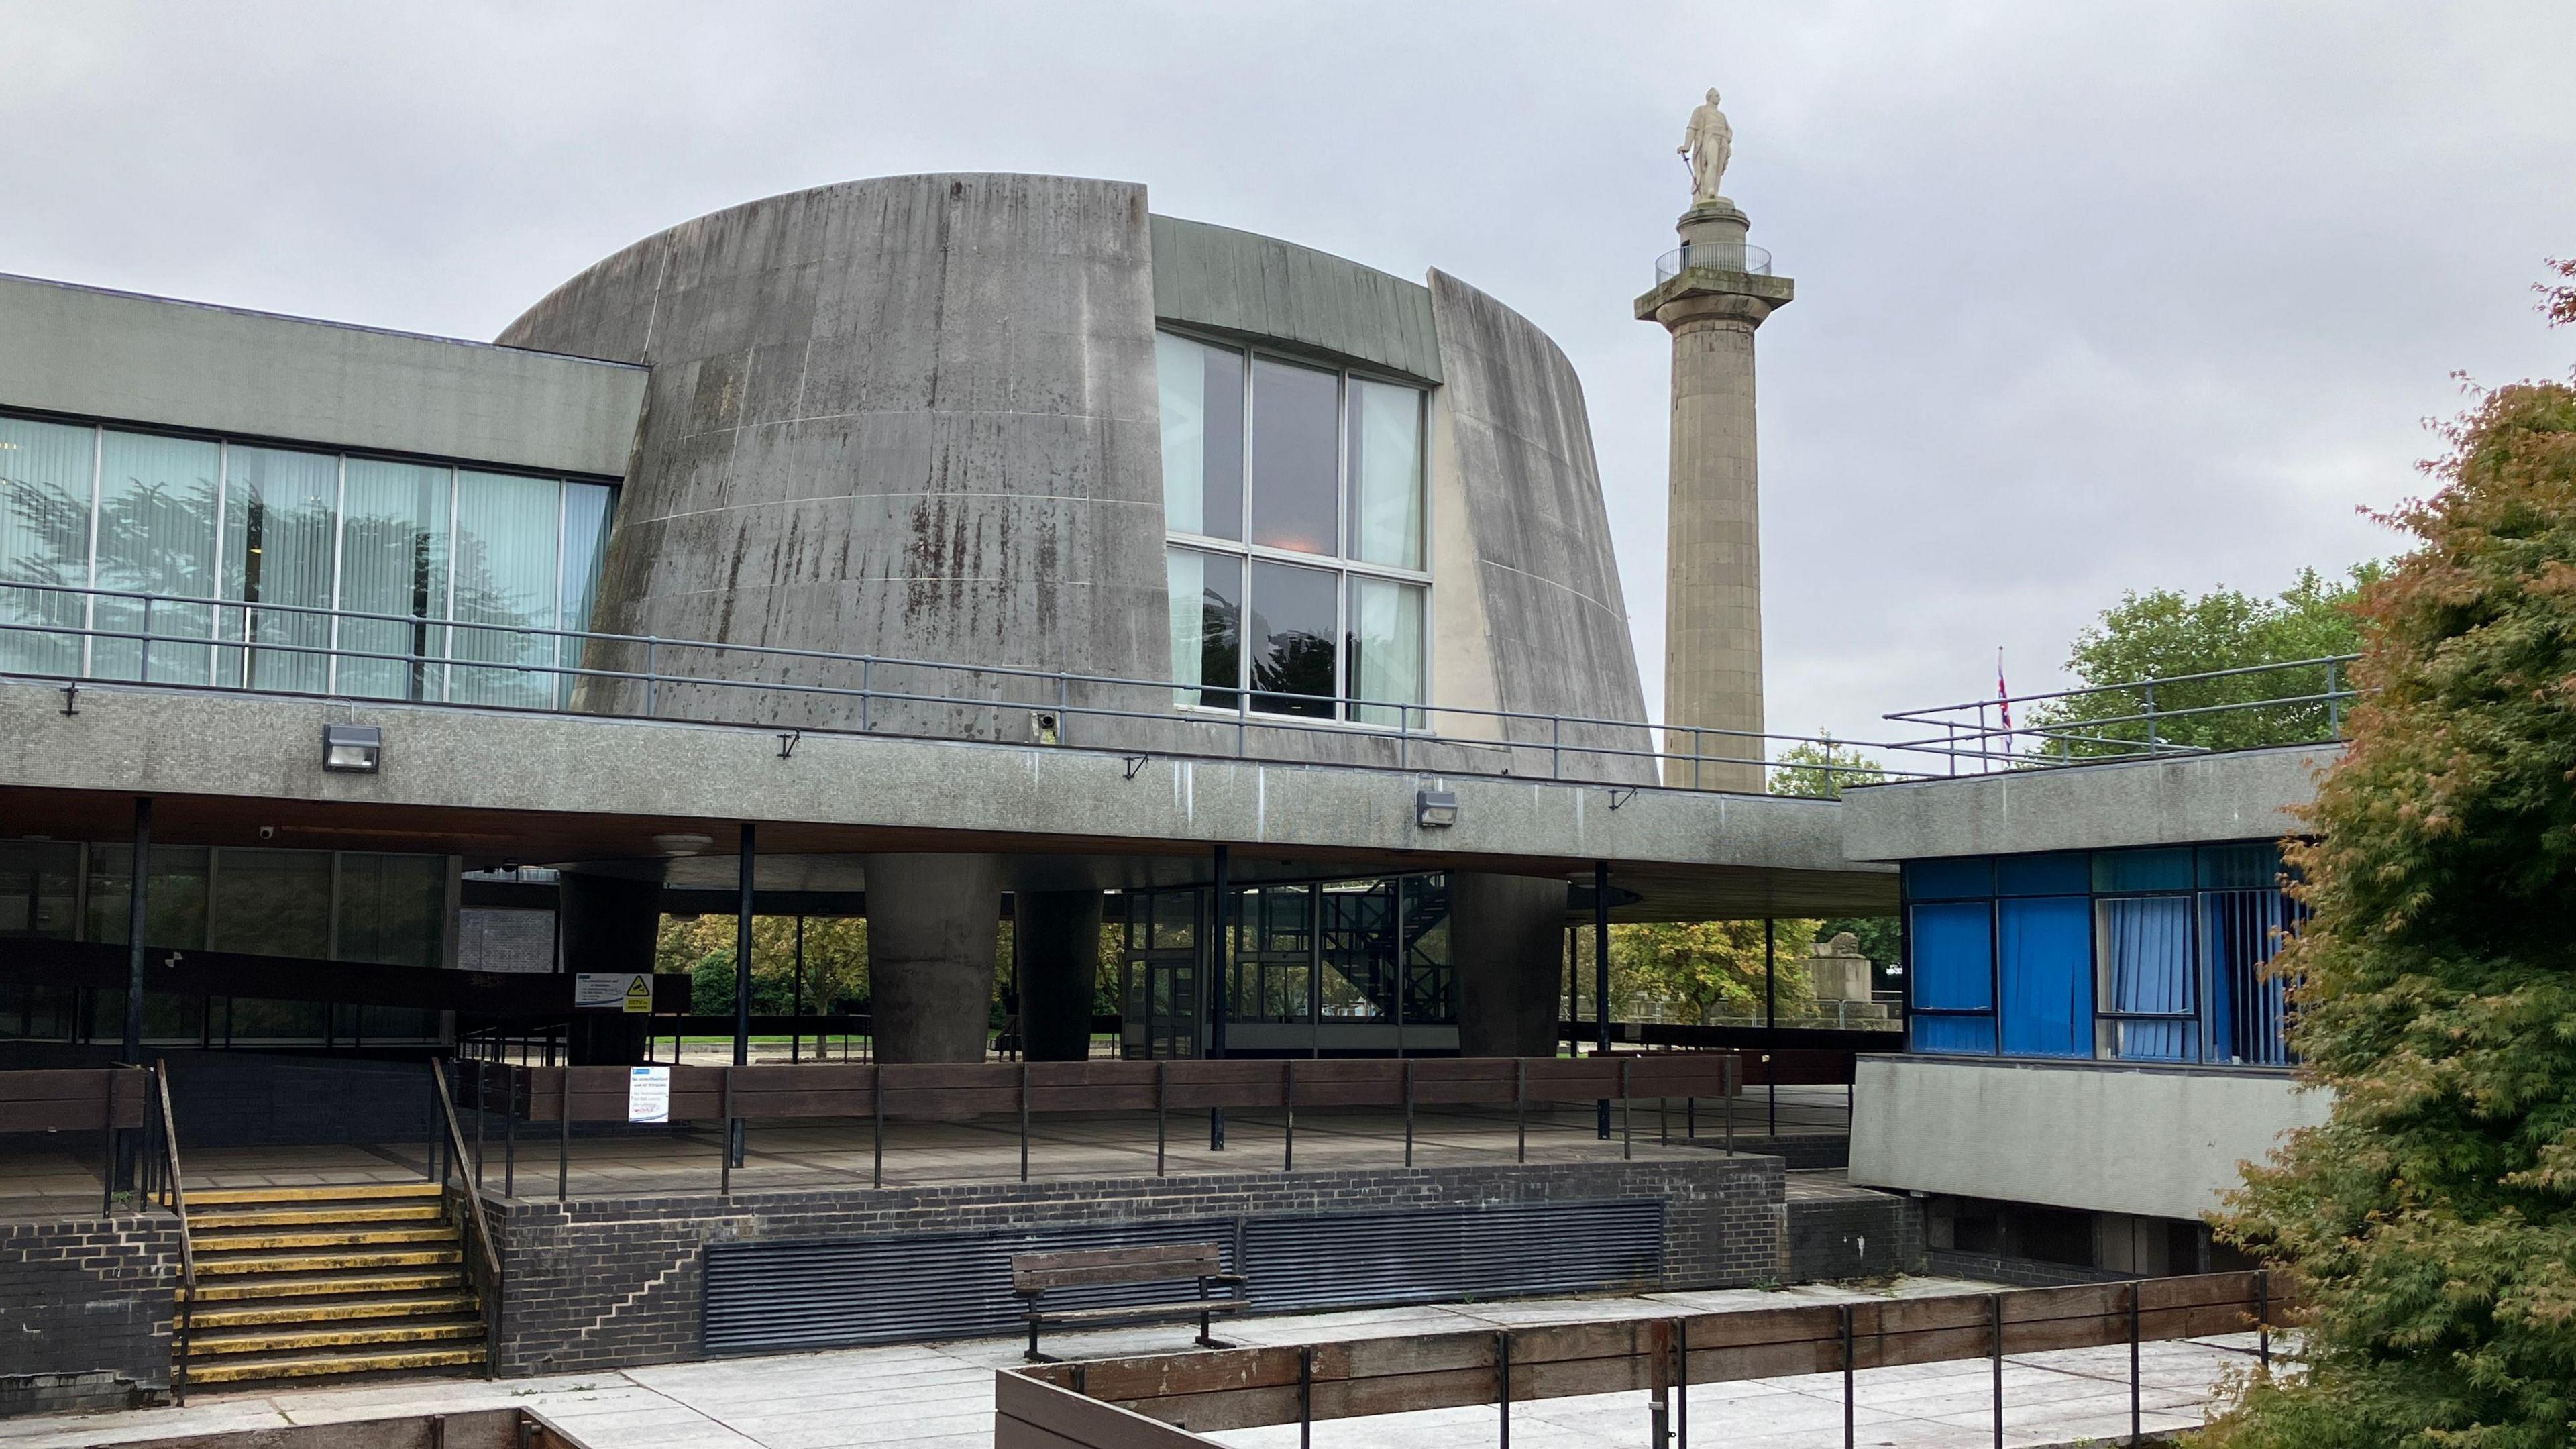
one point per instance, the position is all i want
(562, 1096)
(1167, 1401)
(105, 1100)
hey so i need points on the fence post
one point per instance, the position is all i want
(1503, 1381)
(478, 1123)
(1288, 1105)
(1024, 1119)
(2133, 1363)
(510, 1141)
(1161, 1072)
(1847, 1376)
(2151, 715)
(145, 673)
(1681, 1383)
(1520, 1109)
(1627, 1113)
(2263, 1316)
(1306, 1397)
(563, 1138)
(1408, 1111)
(876, 1100)
(1659, 1411)
(724, 1179)
(652, 674)
(1995, 1320)
(2334, 700)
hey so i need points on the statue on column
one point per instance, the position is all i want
(1707, 143)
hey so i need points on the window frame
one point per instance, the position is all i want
(1341, 563)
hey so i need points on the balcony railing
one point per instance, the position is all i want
(1722, 257)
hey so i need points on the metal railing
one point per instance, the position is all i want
(793, 692)
(1722, 257)
(484, 1269)
(2174, 714)
(175, 1198)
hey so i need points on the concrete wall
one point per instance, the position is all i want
(1537, 531)
(2109, 1137)
(2235, 795)
(912, 417)
(1236, 282)
(118, 356)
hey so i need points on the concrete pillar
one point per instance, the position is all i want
(1059, 941)
(607, 923)
(933, 921)
(1713, 552)
(1506, 939)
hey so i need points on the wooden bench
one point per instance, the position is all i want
(1034, 1275)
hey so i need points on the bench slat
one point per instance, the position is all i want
(1161, 1262)
(1142, 1310)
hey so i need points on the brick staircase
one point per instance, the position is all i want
(319, 1282)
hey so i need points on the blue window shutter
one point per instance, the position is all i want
(2047, 976)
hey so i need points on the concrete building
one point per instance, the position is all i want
(2094, 1047)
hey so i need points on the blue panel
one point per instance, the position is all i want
(1957, 1035)
(2047, 961)
(2164, 869)
(1953, 956)
(2253, 865)
(1949, 880)
(2065, 873)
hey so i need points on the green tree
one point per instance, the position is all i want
(1705, 969)
(2431, 1221)
(2163, 633)
(1819, 769)
(836, 962)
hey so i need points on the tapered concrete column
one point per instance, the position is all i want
(1059, 940)
(607, 923)
(933, 921)
(1713, 552)
(1506, 937)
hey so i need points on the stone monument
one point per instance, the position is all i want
(1711, 294)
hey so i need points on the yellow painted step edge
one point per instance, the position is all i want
(399, 1212)
(359, 1237)
(248, 1370)
(413, 1282)
(209, 1319)
(311, 1193)
(317, 1262)
(286, 1342)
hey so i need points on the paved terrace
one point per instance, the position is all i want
(61, 1178)
(940, 1396)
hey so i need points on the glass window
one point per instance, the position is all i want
(2253, 865)
(2249, 1009)
(1292, 632)
(1202, 404)
(1386, 650)
(1296, 448)
(588, 509)
(2064, 873)
(1953, 957)
(2046, 963)
(2146, 963)
(393, 909)
(1206, 594)
(1939, 880)
(393, 560)
(46, 474)
(1176, 916)
(1430, 982)
(156, 535)
(272, 903)
(2142, 870)
(508, 547)
(1386, 473)
(39, 888)
(281, 521)
(174, 908)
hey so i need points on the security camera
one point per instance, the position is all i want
(268, 832)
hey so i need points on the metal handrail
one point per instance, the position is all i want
(178, 1203)
(474, 1205)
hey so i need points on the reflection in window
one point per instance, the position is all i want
(1292, 640)
(46, 472)
(393, 560)
(508, 546)
(272, 903)
(1206, 594)
(1202, 398)
(1386, 473)
(281, 512)
(1385, 650)
(1296, 440)
(156, 535)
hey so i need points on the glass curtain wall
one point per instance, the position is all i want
(1293, 500)
(271, 531)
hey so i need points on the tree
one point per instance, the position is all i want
(2162, 633)
(1708, 968)
(2431, 1221)
(836, 962)
(1819, 769)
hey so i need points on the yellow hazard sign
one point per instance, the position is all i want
(639, 995)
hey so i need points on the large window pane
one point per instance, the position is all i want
(2046, 959)
(2249, 1009)
(1296, 456)
(272, 903)
(156, 535)
(393, 909)
(508, 551)
(1206, 593)
(587, 512)
(1386, 473)
(2146, 951)
(1386, 651)
(393, 560)
(1292, 634)
(45, 474)
(281, 518)
(39, 888)
(174, 907)
(1202, 405)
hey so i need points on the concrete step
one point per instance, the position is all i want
(325, 1285)
(309, 1194)
(255, 1368)
(335, 1260)
(359, 1235)
(298, 1341)
(349, 1306)
(261, 1216)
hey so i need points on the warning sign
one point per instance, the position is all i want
(639, 996)
(648, 1094)
(612, 991)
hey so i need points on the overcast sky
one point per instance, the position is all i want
(2091, 296)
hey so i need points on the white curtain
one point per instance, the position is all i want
(281, 517)
(1386, 651)
(586, 515)
(156, 535)
(393, 560)
(45, 473)
(508, 549)
(1185, 580)
(1386, 473)
(1181, 373)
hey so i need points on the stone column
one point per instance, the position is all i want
(1059, 940)
(607, 923)
(933, 922)
(1717, 296)
(1507, 943)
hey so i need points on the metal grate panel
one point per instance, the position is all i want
(763, 1297)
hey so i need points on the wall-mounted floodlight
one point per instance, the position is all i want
(352, 748)
(1435, 809)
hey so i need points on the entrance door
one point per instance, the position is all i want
(1172, 1009)
(1161, 1002)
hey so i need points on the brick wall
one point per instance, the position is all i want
(85, 1309)
(1855, 1235)
(606, 1283)
(2019, 1272)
